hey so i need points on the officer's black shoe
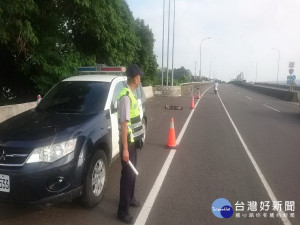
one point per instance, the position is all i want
(135, 204)
(126, 218)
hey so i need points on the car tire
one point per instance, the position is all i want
(95, 180)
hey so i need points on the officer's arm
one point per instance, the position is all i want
(124, 141)
(124, 110)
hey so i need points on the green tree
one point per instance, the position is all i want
(17, 42)
(55, 56)
(43, 42)
(181, 75)
(146, 58)
(105, 29)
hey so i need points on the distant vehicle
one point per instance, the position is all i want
(62, 149)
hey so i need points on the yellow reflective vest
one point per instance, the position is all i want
(134, 126)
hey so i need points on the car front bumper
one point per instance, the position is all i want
(41, 184)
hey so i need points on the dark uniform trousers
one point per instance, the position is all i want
(127, 182)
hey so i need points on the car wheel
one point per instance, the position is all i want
(95, 180)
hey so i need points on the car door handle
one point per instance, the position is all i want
(107, 115)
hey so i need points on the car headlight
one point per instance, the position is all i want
(52, 152)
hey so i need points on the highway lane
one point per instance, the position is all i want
(273, 137)
(209, 163)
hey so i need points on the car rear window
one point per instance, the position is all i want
(84, 97)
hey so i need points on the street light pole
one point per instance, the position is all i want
(163, 40)
(173, 45)
(278, 62)
(210, 66)
(168, 43)
(200, 55)
(255, 72)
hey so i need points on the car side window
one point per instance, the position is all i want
(117, 90)
(139, 93)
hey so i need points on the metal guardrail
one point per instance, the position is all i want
(286, 95)
(280, 86)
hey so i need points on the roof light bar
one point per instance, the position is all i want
(102, 68)
(113, 69)
(86, 69)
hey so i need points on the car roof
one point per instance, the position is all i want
(98, 78)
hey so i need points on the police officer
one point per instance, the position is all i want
(131, 135)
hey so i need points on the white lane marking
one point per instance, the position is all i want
(260, 174)
(295, 103)
(188, 120)
(249, 98)
(143, 216)
(271, 108)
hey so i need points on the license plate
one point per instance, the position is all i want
(4, 183)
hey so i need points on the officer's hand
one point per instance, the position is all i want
(125, 155)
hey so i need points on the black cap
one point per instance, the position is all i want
(133, 71)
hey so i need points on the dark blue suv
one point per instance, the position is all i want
(62, 149)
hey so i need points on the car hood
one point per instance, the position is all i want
(32, 125)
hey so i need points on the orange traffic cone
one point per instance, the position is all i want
(192, 103)
(198, 95)
(172, 138)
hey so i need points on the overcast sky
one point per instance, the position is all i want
(243, 33)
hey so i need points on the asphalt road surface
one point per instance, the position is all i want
(238, 145)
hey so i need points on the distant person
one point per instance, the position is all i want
(216, 87)
(39, 98)
(131, 135)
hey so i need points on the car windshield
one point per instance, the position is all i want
(82, 97)
(139, 93)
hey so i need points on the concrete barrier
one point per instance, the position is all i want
(188, 88)
(12, 110)
(277, 93)
(185, 89)
(148, 91)
(167, 91)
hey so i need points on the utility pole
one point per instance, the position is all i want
(173, 45)
(168, 44)
(200, 55)
(195, 74)
(162, 52)
(278, 62)
(255, 72)
(210, 66)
